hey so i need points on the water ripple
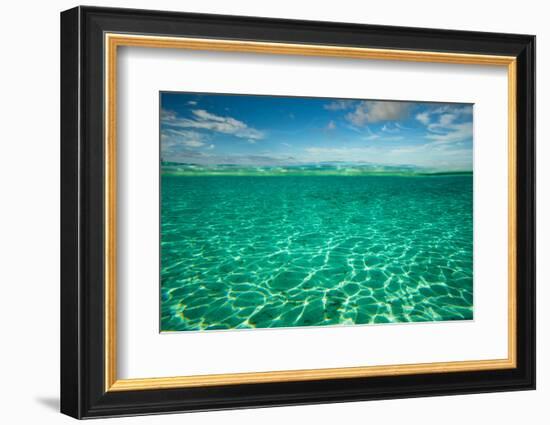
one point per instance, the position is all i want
(282, 251)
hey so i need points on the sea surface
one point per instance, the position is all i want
(243, 249)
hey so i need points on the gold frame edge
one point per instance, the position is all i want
(113, 41)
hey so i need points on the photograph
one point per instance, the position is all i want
(289, 209)
(306, 211)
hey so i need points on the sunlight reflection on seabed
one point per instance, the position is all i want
(283, 251)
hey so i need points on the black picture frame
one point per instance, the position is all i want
(83, 392)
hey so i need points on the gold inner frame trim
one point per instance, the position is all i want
(113, 41)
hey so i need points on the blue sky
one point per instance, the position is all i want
(211, 129)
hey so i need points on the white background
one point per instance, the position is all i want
(29, 228)
(140, 344)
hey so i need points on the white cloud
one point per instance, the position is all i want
(454, 109)
(423, 117)
(182, 134)
(331, 125)
(371, 136)
(424, 155)
(193, 143)
(172, 139)
(207, 121)
(452, 133)
(339, 105)
(447, 119)
(375, 111)
(166, 115)
(443, 115)
(401, 127)
(443, 123)
(192, 102)
(388, 128)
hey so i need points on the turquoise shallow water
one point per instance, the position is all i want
(250, 251)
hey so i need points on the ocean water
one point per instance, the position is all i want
(277, 249)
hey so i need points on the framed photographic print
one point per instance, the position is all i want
(261, 212)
